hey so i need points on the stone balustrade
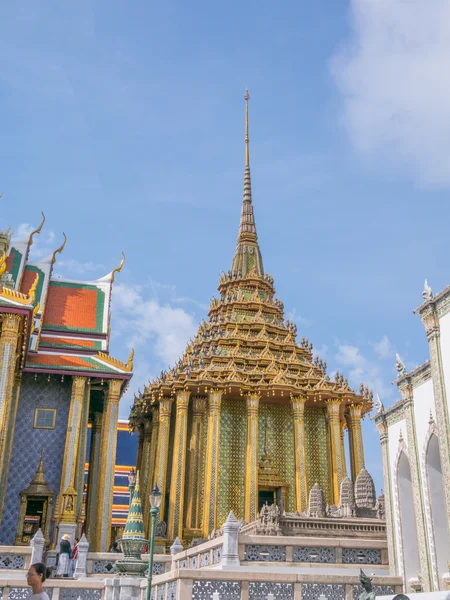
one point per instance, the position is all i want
(14, 558)
(208, 554)
(101, 564)
(191, 584)
(57, 589)
(342, 552)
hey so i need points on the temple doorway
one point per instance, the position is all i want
(265, 496)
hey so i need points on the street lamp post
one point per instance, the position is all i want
(155, 503)
(131, 484)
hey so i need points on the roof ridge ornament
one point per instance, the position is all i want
(400, 365)
(119, 268)
(427, 293)
(38, 230)
(59, 250)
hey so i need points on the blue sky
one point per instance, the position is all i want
(123, 122)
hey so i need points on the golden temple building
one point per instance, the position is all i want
(248, 415)
(59, 400)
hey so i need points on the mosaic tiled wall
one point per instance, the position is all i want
(316, 448)
(233, 443)
(280, 428)
(28, 443)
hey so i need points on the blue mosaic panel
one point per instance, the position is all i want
(28, 443)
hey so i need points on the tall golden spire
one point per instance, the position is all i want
(247, 139)
(247, 256)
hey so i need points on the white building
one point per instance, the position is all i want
(415, 441)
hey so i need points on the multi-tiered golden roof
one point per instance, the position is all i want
(245, 371)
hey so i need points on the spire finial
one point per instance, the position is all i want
(247, 139)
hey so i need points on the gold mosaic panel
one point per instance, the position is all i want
(317, 449)
(280, 428)
(233, 444)
(203, 467)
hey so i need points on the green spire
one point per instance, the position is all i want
(134, 527)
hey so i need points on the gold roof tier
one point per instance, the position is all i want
(247, 346)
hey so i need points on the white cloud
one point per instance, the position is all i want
(384, 348)
(146, 320)
(43, 243)
(158, 333)
(72, 266)
(359, 369)
(393, 76)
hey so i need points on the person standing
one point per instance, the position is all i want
(73, 562)
(36, 576)
(65, 552)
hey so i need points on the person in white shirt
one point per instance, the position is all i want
(36, 576)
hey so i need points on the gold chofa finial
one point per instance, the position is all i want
(59, 250)
(118, 269)
(247, 139)
(38, 230)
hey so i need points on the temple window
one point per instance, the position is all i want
(44, 418)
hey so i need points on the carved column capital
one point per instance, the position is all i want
(253, 403)
(165, 407)
(354, 411)
(215, 400)
(298, 406)
(155, 414)
(183, 400)
(199, 404)
(114, 390)
(10, 323)
(333, 408)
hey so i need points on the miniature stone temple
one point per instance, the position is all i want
(248, 415)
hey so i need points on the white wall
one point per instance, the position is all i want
(423, 403)
(393, 437)
(445, 353)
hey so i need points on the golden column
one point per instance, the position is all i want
(336, 464)
(143, 462)
(68, 493)
(212, 462)
(81, 458)
(355, 439)
(8, 347)
(301, 482)
(176, 497)
(162, 453)
(106, 468)
(195, 458)
(94, 455)
(141, 438)
(151, 431)
(251, 473)
(344, 458)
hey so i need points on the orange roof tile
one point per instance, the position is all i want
(74, 307)
(46, 340)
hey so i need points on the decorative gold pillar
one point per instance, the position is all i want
(151, 431)
(140, 449)
(162, 453)
(106, 468)
(335, 458)
(143, 463)
(212, 463)
(81, 458)
(251, 472)
(68, 492)
(355, 439)
(301, 482)
(8, 440)
(8, 347)
(176, 497)
(344, 458)
(94, 454)
(195, 457)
